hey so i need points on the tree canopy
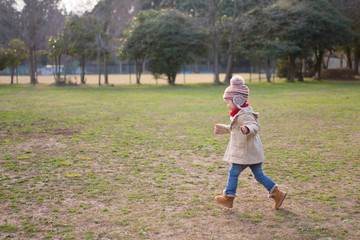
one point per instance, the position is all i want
(15, 53)
(37, 22)
(168, 38)
(83, 33)
(293, 29)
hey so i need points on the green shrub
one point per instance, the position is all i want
(310, 68)
(338, 73)
(282, 68)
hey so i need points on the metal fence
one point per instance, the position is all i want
(117, 67)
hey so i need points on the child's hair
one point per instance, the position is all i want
(238, 92)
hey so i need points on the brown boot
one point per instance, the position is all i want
(225, 199)
(278, 196)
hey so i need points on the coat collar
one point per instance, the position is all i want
(234, 112)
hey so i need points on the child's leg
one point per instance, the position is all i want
(234, 173)
(261, 177)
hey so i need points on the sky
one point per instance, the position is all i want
(77, 6)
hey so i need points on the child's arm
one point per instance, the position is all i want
(251, 125)
(221, 129)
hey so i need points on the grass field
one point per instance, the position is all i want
(141, 162)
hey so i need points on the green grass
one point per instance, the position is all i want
(130, 162)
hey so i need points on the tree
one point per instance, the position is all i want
(168, 38)
(350, 9)
(39, 20)
(219, 17)
(176, 40)
(115, 15)
(230, 58)
(139, 39)
(207, 13)
(294, 28)
(214, 33)
(323, 30)
(83, 32)
(259, 35)
(8, 21)
(232, 33)
(3, 59)
(58, 46)
(16, 52)
(217, 10)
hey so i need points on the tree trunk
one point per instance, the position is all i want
(230, 49)
(267, 69)
(229, 67)
(138, 69)
(341, 61)
(106, 72)
(216, 58)
(65, 67)
(215, 39)
(12, 70)
(82, 63)
(356, 60)
(303, 67)
(171, 78)
(291, 77)
(136, 73)
(32, 65)
(319, 56)
(59, 68)
(98, 66)
(301, 76)
(259, 70)
(17, 75)
(129, 66)
(348, 58)
(56, 72)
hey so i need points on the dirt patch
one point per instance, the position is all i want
(36, 131)
(40, 145)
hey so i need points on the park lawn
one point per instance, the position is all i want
(141, 162)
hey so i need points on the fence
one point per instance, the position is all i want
(117, 67)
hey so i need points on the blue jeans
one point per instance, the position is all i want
(257, 171)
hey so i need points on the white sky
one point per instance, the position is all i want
(77, 6)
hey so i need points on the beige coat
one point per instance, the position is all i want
(243, 149)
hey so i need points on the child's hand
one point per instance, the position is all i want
(244, 130)
(216, 129)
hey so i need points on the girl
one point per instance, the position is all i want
(244, 148)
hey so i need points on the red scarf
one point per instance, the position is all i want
(234, 112)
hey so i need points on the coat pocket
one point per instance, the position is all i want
(238, 144)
